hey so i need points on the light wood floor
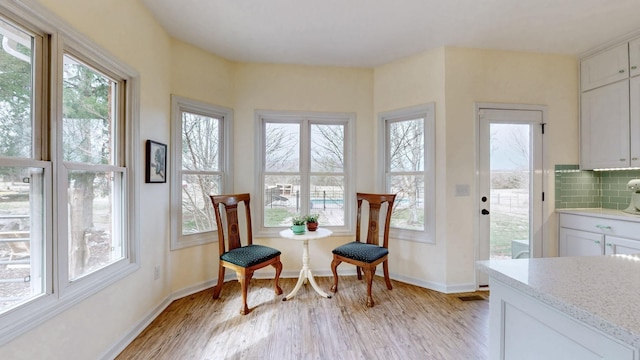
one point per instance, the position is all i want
(407, 322)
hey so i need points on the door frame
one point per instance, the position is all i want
(537, 248)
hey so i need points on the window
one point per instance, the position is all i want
(201, 136)
(22, 175)
(68, 205)
(408, 146)
(305, 168)
(94, 191)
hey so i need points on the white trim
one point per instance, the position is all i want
(136, 330)
(178, 106)
(427, 111)
(610, 44)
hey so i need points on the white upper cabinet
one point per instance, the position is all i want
(634, 57)
(605, 67)
(634, 120)
(604, 127)
(610, 107)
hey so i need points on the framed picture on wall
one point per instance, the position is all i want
(156, 169)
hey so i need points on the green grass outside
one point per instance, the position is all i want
(275, 216)
(505, 228)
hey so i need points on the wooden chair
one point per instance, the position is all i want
(244, 260)
(367, 255)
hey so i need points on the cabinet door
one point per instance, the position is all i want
(580, 243)
(634, 57)
(605, 67)
(604, 127)
(634, 120)
(615, 245)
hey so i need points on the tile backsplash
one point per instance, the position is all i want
(592, 189)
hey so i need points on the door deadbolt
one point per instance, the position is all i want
(485, 212)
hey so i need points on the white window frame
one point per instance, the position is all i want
(61, 294)
(427, 112)
(305, 119)
(178, 106)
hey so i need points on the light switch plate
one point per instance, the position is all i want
(462, 189)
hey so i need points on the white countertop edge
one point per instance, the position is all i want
(602, 213)
(614, 330)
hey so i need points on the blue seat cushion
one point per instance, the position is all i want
(361, 251)
(249, 255)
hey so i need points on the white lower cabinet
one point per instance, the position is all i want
(580, 243)
(616, 245)
(523, 328)
(585, 235)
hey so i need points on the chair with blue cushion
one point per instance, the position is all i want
(244, 260)
(367, 255)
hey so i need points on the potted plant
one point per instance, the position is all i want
(298, 224)
(312, 221)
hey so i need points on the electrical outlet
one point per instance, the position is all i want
(156, 272)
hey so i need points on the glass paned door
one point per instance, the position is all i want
(510, 184)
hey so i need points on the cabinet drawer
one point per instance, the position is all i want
(626, 229)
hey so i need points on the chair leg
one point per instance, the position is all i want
(368, 273)
(385, 268)
(358, 272)
(245, 279)
(218, 288)
(334, 269)
(278, 267)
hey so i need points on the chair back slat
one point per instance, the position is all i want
(375, 201)
(230, 204)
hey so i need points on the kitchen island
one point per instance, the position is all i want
(565, 308)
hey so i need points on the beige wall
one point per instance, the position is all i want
(408, 82)
(461, 76)
(302, 88)
(501, 77)
(205, 77)
(455, 80)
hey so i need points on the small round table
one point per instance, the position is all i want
(305, 273)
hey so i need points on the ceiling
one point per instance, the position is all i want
(368, 33)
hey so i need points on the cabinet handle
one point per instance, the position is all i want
(634, 158)
(634, 67)
(621, 71)
(623, 159)
(610, 245)
(603, 227)
(596, 241)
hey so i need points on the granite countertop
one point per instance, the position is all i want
(602, 213)
(601, 291)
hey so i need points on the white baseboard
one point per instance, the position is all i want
(145, 321)
(135, 331)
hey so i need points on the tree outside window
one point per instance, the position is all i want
(408, 162)
(201, 135)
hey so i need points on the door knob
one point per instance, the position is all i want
(485, 212)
